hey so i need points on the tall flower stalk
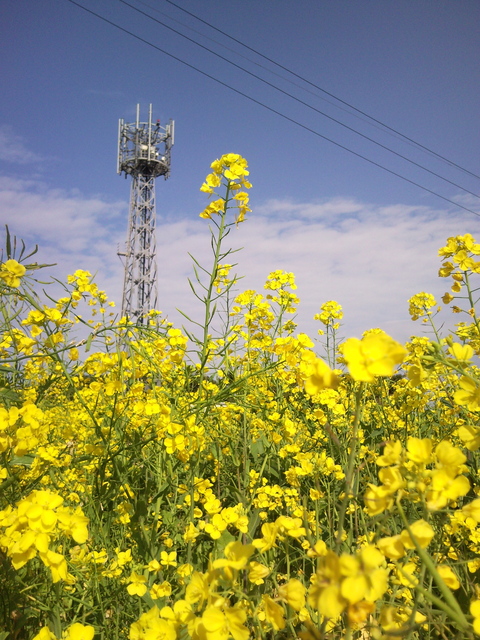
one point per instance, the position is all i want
(230, 173)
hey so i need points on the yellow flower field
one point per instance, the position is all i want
(225, 480)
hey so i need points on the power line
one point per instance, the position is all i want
(268, 70)
(316, 86)
(271, 109)
(302, 102)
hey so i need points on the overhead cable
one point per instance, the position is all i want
(271, 109)
(306, 104)
(256, 63)
(328, 93)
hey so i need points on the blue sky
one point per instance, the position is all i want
(349, 230)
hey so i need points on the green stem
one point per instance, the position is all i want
(349, 476)
(454, 610)
(208, 299)
(472, 303)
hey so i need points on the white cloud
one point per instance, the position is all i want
(74, 231)
(13, 148)
(370, 259)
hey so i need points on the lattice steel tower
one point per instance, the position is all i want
(144, 153)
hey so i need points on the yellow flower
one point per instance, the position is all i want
(219, 625)
(74, 524)
(191, 532)
(405, 574)
(151, 625)
(419, 450)
(468, 395)
(420, 305)
(392, 547)
(464, 261)
(39, 508)
(444, 489)
(137, 586)
(293, 593)
(448, 576)
(57, 565)
(376, 354)
(291, 526)
(360, 611)
(269, 531)
(392, 479)
(158, 591)
(198, 588)
(214, 207)
(233, 168)
(184, 570)
(257, 572)
(377, 500)
(462, 352)
(318, 549)
(472, 510)
(363, 579)
(168, 559)
(421, 531)
(324, 593)
(78, 631)
(392, 454)
(236, 556)
(329, 600)
(216, 527)
(11, 273)
(274, 613)
(154, 566)
(475, 611)
(470, 436)
(450, 458)
(242, 524)
(123, 557)
(320, 376)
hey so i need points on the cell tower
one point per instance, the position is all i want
(144, 153)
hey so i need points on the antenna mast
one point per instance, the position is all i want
(144, 153)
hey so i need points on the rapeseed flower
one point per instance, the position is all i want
(273, 613)
(293, 593)
(152, 625)
(475, 611)
(220, 487)
(469, 394)
(376, 354)
(137, 585)
(220, 624)
(11, 272)
(79, 631)
(319, 376)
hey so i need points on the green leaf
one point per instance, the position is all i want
(26, 460)
(89, 343)
(222, 542)
(257, 449)
(9, 396)
(8, 243)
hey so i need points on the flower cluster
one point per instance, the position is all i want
(407, 472)
(11, 272)
(331, 313)
(232, 169)
(159, 484)
(34, 524)
(376, 354)
(352, 582)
